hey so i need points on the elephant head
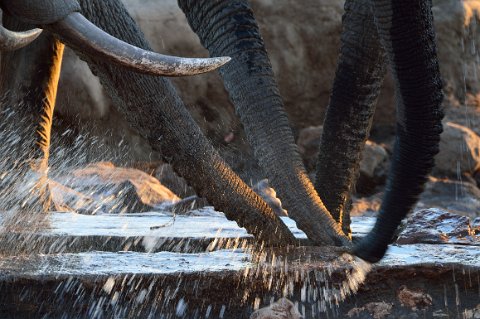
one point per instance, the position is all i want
(150, 104)
(64, 19)
(375, 32)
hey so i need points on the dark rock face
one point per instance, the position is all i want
(167, 176)
(434, 226)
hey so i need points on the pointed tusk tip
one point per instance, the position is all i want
(226, 59)
(36, 32)
(13, 40)
(222, 60)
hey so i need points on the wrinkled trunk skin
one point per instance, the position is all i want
(229, 28)
(29, 88)
(359, 75)
(153, 107)
(406, 30)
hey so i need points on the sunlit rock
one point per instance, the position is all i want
(459, 150)
(67, 199)
(186, 206)
(102, 187)
(366, 206)
(270, 196)
(456, 26)
(434, 226)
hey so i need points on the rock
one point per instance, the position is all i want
(476, 177)
(378, 310)
(270, 196)
(366, 206)
(373, 166)
(456, 26)
(186, 206)
(434, 226)
(106, 188)
(282, 309)
(476, 226)
(373, 155)
(453, 196)
(459, 150)
(304, 70)
(67, 199)
(167, 176)
(308, 142)
(472, 313)
(414, 299)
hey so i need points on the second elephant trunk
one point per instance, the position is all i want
(229, 28)
(359, 75)
(153, 107)
(406, 30)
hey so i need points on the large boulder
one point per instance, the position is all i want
(435, 226)
(302, 38)
(459, 150)
(459, 197)
(105, 188)
(373, 166)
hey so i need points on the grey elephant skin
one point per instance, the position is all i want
(376, 34)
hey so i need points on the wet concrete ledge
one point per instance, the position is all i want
(452, 291)
(98, 267)
(145, 232)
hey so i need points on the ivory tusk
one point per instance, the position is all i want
(11, 41)
(76, 31)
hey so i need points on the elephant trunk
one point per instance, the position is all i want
(229, 28)
(406, 29)
(359, 75)
(153, 107)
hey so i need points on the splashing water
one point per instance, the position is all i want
(26, 173)
(22, 210)
(314, 276)
(354, 278)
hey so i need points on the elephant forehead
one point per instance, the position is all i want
(40, 12)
